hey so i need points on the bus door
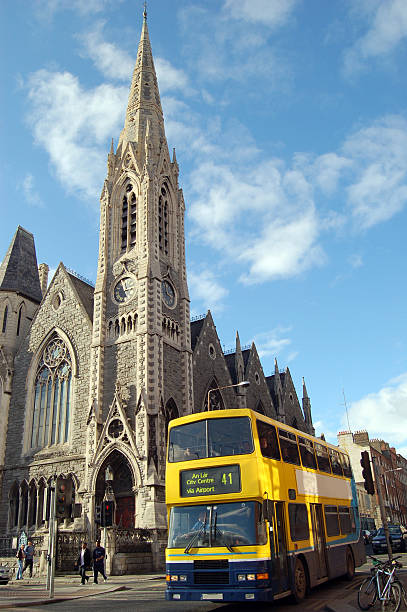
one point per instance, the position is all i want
(318, 531)
(278, 544)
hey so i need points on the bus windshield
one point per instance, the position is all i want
(231, 524)
(210, 438)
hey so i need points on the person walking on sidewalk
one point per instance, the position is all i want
(99, 555)
(29, 557)
(84, 561)
(20, 556)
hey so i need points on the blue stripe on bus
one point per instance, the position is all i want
(251, 552)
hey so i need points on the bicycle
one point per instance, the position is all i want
(383, 584)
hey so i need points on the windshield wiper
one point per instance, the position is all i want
(217, 532)
(195, 537)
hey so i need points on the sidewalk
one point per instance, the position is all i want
(33, 592)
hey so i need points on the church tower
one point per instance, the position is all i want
(141, 365)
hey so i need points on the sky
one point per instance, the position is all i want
(289, 121)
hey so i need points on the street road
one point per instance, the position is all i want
(149, 597)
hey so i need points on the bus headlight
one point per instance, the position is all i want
(183, 578)
(241, 577)
(251, 576)
(174, 578)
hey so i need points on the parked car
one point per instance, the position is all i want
(397, 542)
(4, 574)
(367, 536)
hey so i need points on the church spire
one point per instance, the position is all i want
(144, 105)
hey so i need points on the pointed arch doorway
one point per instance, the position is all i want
(119, 473)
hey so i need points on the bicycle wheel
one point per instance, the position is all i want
(367, 594)
(392, 603)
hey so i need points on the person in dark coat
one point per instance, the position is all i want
(84, 561)
(99, 555)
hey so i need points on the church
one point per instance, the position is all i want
(90, 376)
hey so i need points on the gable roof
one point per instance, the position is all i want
(85, 292)
(19, 269)
(196, 328)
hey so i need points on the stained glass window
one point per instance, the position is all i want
(52, 396)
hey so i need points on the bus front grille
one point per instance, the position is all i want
(211, 564)
(211, 578)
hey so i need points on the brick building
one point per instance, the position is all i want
(392, 471)
(91, 376)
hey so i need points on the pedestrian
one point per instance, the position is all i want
(20, 556)
(29, 557)
(99, 555)
(84, 561)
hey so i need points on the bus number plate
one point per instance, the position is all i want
(210, 481)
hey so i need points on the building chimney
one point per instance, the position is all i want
(43, 270)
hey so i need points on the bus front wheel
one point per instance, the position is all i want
(300, 581)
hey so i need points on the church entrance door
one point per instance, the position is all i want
(115, 478)
(125, 510)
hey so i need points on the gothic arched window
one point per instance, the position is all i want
(170, 412)
(129, 219)
(260, 407)
(215, 397)
(52, 396)
(20, 312)
(14, 505)
(5, 320)
(163, 219)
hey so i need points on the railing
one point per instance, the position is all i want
(133, 540)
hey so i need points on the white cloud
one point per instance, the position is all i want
(30, 193)
(273, 13)
(265, 218)
(387, 29)
(205, 288)
(45, 9)
(115, 63)
(379, 187)
(74, 126)
(109, 59)
(273, 342)
(383, 414)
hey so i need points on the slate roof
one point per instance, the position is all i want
(230, 362)
(19, 269)
(270, 384)
(85, 292)
(196, 327)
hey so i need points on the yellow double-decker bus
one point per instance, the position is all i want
(257, 510)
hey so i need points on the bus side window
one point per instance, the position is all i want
(331, 520)
(345, 520)
(335, 462)
(299, 525)
(289, 448)
(307, 453)
(321, 452)
(347, 471)
(268, 440)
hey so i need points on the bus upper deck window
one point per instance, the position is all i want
(307, 453)
(232, 436)
(268, 440)
(187, 442)
(347, 471)
(335, 462)
(321, 452)
(289, 448)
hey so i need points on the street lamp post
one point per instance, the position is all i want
(244, 383)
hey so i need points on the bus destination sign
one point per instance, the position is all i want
(210, 481)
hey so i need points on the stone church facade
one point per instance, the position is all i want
(91, 376)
